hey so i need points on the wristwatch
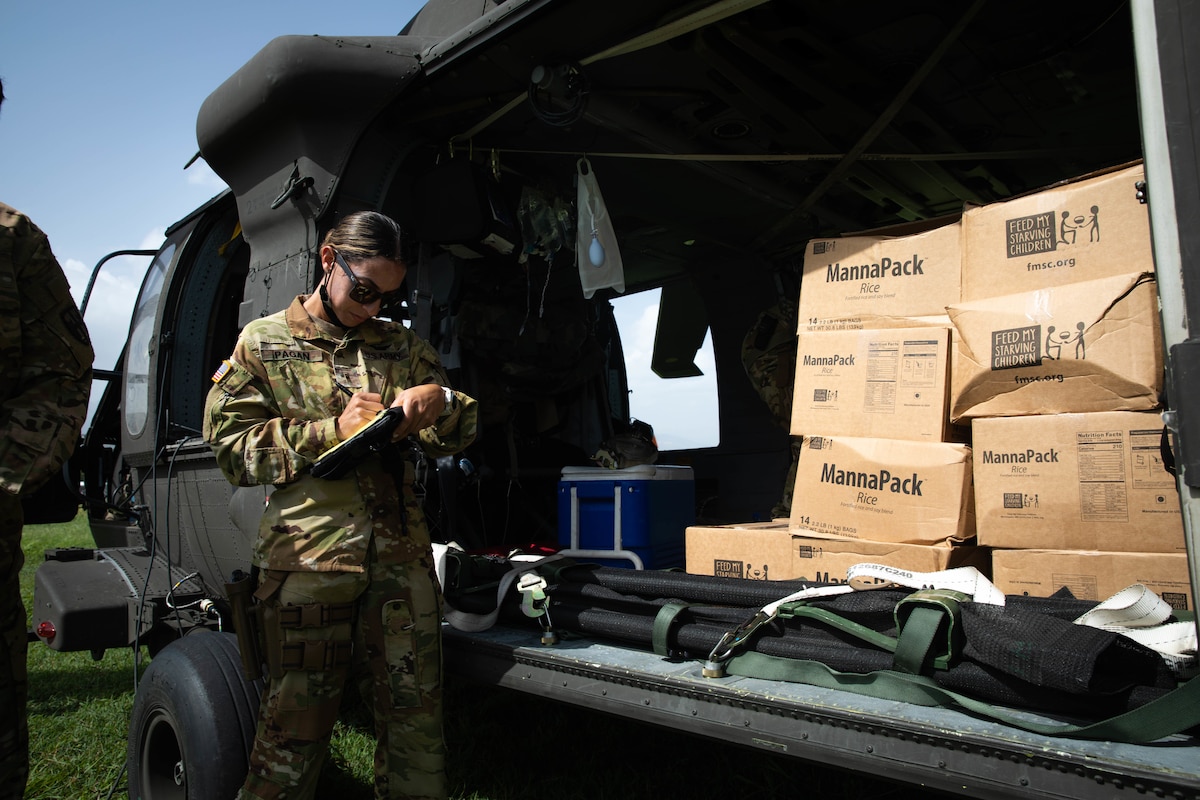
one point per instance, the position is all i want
(448, 395)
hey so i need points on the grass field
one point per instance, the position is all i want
(503, 745)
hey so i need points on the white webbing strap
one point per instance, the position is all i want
(1140, 614)
(1133, 607)
(466, 621)
(967, 580)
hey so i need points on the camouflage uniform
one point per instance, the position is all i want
(769, 358)
(46, 360)
(355, 541)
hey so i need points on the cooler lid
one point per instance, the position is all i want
(641, 472)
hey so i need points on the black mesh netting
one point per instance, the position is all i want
(1025, 654)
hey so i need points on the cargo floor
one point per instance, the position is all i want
(939, 748)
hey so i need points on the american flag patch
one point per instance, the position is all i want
(222, 371)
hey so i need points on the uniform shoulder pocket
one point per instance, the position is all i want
(231, 377)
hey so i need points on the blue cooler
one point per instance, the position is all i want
(626, 517)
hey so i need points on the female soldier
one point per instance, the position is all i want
(345, 569)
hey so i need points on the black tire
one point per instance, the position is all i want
(193, 722)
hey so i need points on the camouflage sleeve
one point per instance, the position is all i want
(47, 358)
(253, 440)
(457, 431)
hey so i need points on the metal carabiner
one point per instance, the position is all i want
(714, 667)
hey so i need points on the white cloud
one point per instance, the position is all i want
(153, 240)
(77, 275)
(201, 174)
(111, 305)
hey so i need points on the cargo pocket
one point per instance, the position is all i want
(31, 450)
(276, 465)
(306, 706)
(400, 653)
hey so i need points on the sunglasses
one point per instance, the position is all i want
(362, 293)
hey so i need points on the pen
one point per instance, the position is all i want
(345, 389)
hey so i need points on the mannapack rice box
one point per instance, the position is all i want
(1093, 574)
(768, 551)
(877, 281)
(887, 490)
(1075, 482)
(892, 382)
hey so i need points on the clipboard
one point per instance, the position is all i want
(344, 456)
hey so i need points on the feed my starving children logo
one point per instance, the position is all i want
(1029, 346)
(1048, 231)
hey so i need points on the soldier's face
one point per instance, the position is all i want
(379, 277)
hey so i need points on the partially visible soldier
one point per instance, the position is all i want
(769, 358)
(46, 361)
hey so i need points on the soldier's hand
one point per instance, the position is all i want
(422, 405)
(360, 410)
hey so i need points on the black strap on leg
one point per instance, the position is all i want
(315, 615)
(316, 656)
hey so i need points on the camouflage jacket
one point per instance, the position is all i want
(45, 358)
(769, 357)
(272, 412)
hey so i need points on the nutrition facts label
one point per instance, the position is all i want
(1102, 496)
(893, 366)
(883, 370)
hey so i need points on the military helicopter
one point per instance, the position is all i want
(724, 136)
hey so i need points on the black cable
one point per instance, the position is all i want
(117, 780)
(158, 428)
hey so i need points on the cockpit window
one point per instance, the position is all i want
(141, 334)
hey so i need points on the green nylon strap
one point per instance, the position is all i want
(914, 649)
(924, 618)
(871, 637)
(1175, 711)
(662, 626)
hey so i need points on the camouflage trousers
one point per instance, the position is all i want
(14, 730)
(396, 636)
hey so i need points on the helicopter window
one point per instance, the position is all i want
(141, 335)
(683, 411)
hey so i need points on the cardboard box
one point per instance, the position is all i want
(892, 383)
(1093, 575)
(1083, 347)
(1075, 482)
(888, 490)
(760, 551)
(769, 551)
(1080, 230)
(857, 282)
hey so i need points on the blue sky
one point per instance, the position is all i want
(100, 118)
